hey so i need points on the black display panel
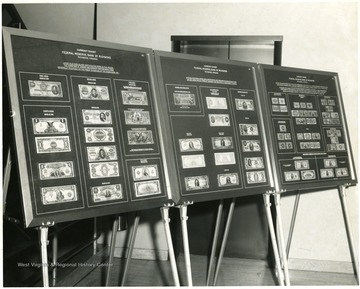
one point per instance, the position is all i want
(85, 127)
(213, 124)
(307, 128)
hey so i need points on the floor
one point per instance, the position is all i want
(92, 271)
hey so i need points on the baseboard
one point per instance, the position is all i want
(146, 254)
(321, 266)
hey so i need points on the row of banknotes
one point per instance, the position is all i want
(218, 143)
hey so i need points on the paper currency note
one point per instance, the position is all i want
(225, 158)
(222, 143)
(292, 176)
(96, 116)
(59, 194)
(106, 193)
(248, 129)
(193, 161)
(254, 163)
(225, 180)
(219, 120)
(137, 117)
(103, 134)
(327, 173)
(54, 144)
(302, 165)
(56, 170)
(184, 99)
(149, 188)
(101, 153)
(104, 170)
(341, 172)
(94, 92)
(140, 137)
(196, 183)
(330, 163)
(308, 175)
(51, 125)
(190, 144)
(134, 97)
(145, 172)
(244, 104)
(40, 88)
(251, 146)
(216, 103)
(256, 177)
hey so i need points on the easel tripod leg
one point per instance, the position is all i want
(112, 249)
(44, 231)
(349, 232)
(55, 256)
(183, 217)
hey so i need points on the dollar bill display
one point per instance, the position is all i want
(248, 129)
(106, 193)
(327, 173)
(216, 103)
(104, 170)
(136, 137)
(251, 146)
(50, 125)
(256, 177)
(95, 134)
(196, 183)
(145, 172)
(330, 163)
(292, 176)
(222, 143)
(94, 92)
(149, 188)
(182, 99)
(308, 175)
(341, 172)
(101, 153)
(219, 120)
(137, 117)
(190, 144)
(225, 180)
(193, 161)
(40, 88)
(54, 144)
(254, 163)
(134, 97)
(96, 116)
(59, 194)
(302, 165)
(225, 159)
(56, 170)
(244, 104)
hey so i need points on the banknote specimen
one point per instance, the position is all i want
(327, 173)
(134, 97)
(341, 172)
(302, 165)
(99, 134)
(96, 116)
(244, 104)
(49, 125)
(137, 117)
(59, 194)
(254, 163)
(216, 103)
(256, 177)
(222, 143)
(106, 193)
(187, 99)
(308, 175)
(330, 163)
(219, 120)
(193, 161)
(94, 92)
(292, 176)
(251, 146)
(53, 144)
(248, 129)
(225, 159)
(196, 183)
(141, 137)
(56, 170)
(190, 144)
(148, 188)
(225, 180)
(145, 172)
(40, 88)
(104, 170)
(101, 153)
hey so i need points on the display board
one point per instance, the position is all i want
(85, 126)
(213, 124)
(307, 128)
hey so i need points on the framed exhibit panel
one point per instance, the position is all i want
(307, 128)
(85, 125)
(213, 125)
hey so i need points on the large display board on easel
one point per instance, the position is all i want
(308, 131)
(85, 127)
(213, 121)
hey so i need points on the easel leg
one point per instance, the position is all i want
(95, 236)
(55, 256)
(273, 238)
(224, 240)
(166, 220)
(354, 258)
(131, 247)
(292, 224)
(282, 249)
(112, 249)
(44, 231)
(215, 239)
(183, 217)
